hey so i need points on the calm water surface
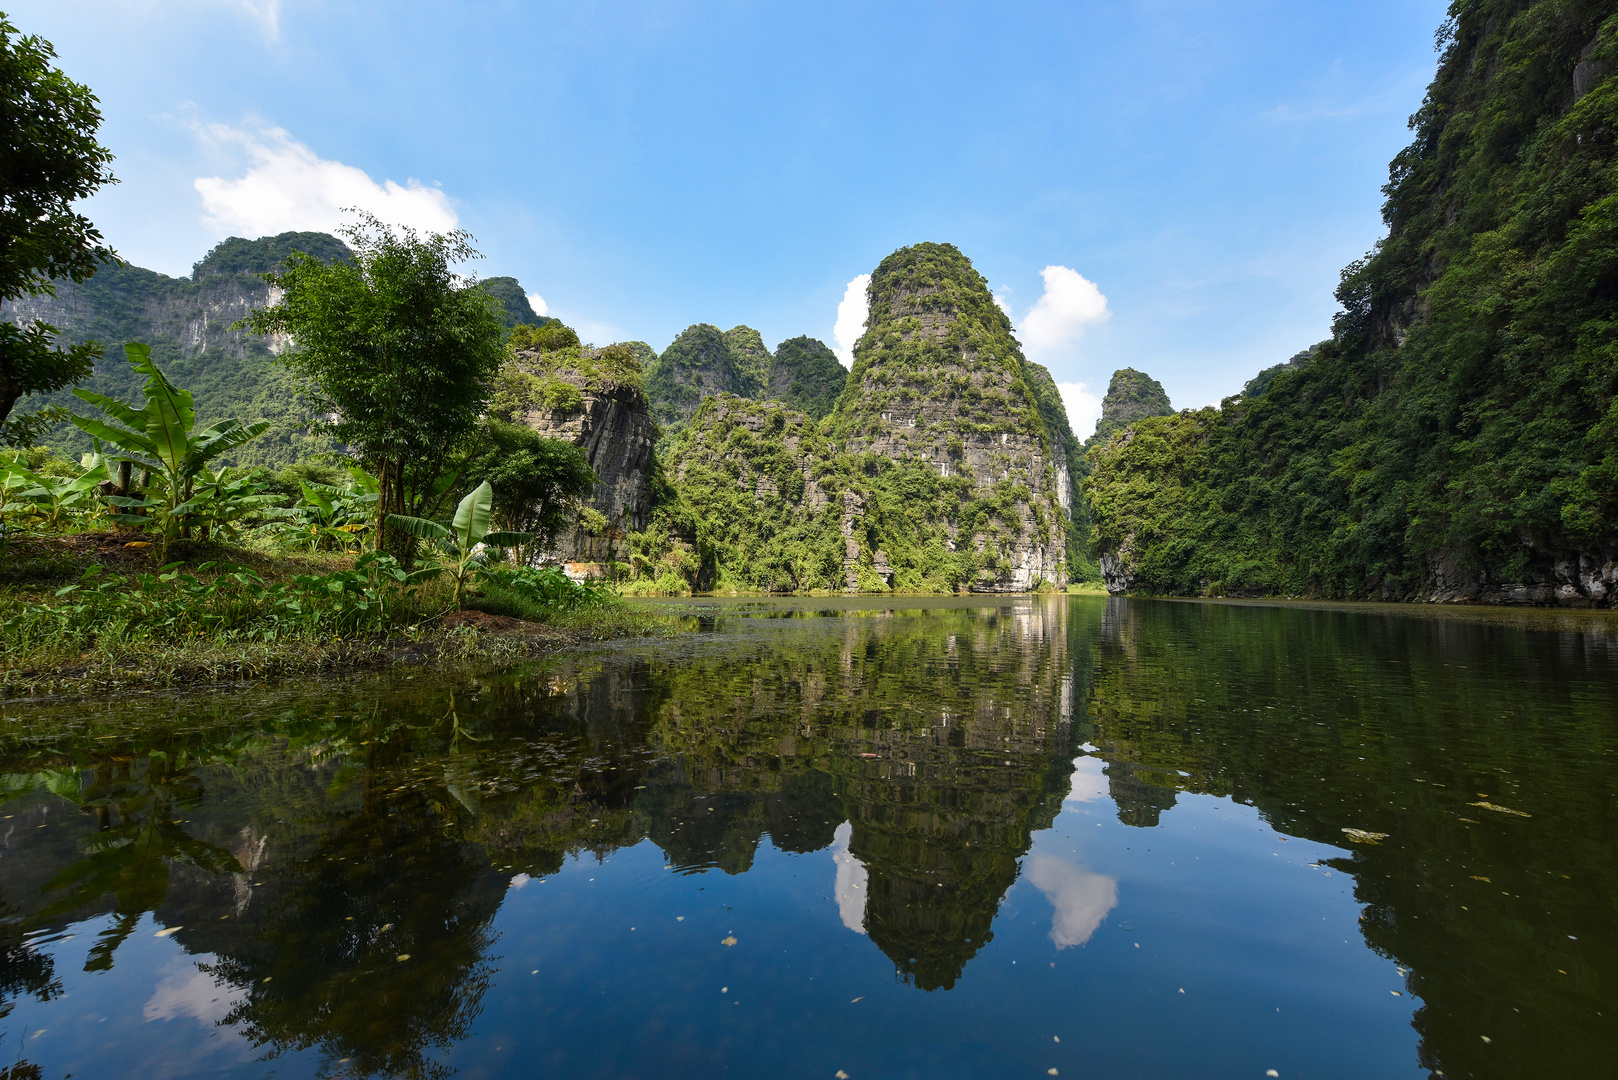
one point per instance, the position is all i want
(992, 838)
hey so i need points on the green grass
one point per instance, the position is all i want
(84, 613)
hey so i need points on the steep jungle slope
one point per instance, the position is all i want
(701, 362)
(1458, 436)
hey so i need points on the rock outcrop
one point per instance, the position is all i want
(1131, 395)
(591, 398)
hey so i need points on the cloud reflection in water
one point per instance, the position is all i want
(1081, 897)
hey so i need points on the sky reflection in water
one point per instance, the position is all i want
(923, 838)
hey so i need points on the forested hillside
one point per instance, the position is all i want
(1458, 436)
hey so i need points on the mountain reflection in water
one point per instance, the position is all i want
(341, 864)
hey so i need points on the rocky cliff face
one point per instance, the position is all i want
(592, 399)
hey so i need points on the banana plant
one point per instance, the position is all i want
(464, 538)
(159, 437)
(51, 500)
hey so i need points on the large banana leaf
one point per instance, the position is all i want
(114, 408)
(225, 435)
(169, 413)
(415, 526)
(471, 520)
(316, 499)
(130, 442)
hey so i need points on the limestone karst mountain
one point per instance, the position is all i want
(1131, 395)
(806, 375)
(704, 361)
(942, 466)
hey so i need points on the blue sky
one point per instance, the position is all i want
(1170, 185)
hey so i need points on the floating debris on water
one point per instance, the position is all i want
(1499, 809)
(1363, 837)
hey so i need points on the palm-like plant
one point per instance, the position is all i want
(159, 437)
(464, 539)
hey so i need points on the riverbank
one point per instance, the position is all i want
(88, 613)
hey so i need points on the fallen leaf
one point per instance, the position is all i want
(167, 932)
(403, 957)
(1364, 837)
(1500, 809)
(729, 940)
(1479, 877)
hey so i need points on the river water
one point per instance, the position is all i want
(1018, 837)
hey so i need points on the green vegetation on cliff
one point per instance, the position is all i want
(1131, 395)
(1459, 433)
(940, 467)
(806, 376)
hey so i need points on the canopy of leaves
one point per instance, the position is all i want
(1466, 410)
(547, 336)
(538, 482)
(49, 160)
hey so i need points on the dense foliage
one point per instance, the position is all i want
(1461, 427)
(49, 160)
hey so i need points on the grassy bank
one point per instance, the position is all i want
(93, 611)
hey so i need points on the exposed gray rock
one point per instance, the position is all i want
(613, 425)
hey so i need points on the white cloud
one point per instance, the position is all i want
(1083, 408)
(537, 302)
(1081, 897)
(287, 186)
(1070, 302)
(1002, 299)
(852, 880)
(267, 13)
(851, 316)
